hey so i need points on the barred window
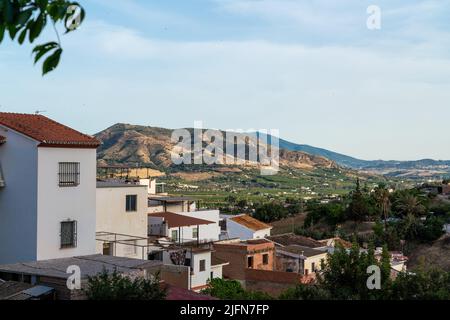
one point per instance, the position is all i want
(69, 174)
(68, 234)
(131, 203)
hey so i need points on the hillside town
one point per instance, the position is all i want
(57, 214)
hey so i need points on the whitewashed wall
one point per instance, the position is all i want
(113, 217)
(56, 204)
(236, 230)
(18, 199)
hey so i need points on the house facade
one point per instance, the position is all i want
(121, 223)
(244, 227)
(47, 196)
(243, 255)
(181, 228)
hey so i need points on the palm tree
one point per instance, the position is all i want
(383, 202)
(409, 204)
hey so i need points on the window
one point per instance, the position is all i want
(313, 267)
(131, 203)
(202, 265)
(68, 234)
(265, 258)
(69, 174)
(211, 276)
(174, 235)
(249, 262)
(195, 232)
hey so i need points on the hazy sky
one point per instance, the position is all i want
(311, 69)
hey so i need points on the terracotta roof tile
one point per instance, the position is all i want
(46, 131)
(177, 220)
(250, 222)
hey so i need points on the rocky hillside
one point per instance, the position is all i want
(151, 146)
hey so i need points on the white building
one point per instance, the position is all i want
(243, 227)
(158, 203)
(122, 219)
(203, 265)
(47, 197)
(200, 226)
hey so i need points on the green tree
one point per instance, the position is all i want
(270, 211)
(24, 20)
(359, 208)
(422, 284)
(383, 203)
(232, 290)
(305, 292)
(408, 204)
(114, 286)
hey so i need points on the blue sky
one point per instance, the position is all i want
(311, 69)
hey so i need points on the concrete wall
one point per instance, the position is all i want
(113, 217)
(57, 204)
(18, 199)
(200, 278)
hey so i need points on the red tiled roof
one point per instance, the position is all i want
(48, 132)
(2, 139)
(177, 220)
(250, 222)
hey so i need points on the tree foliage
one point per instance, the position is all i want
(25, 20)
(270, 211)
(232, 290)
(114, 286)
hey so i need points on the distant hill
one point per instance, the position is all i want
(152, 146)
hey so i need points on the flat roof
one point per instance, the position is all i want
(170, 199)
(113, 184)
(177, 220)
(301, 250)
(89, 265)
(293, 239)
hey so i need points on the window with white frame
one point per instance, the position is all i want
(69, 174)
(68, 234)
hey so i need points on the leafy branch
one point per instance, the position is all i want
(26, 19)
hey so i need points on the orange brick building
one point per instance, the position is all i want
(242, 255)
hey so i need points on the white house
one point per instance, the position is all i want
(203, 265)
(243, 227)
(47, 194)
(199, 226)
(122, 219)
(158, 203)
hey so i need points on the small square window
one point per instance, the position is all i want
(202, 265)
(69, 174)
(265, 258)
(68, 234)
(131, 203)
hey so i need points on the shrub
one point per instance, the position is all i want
(114, 286)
